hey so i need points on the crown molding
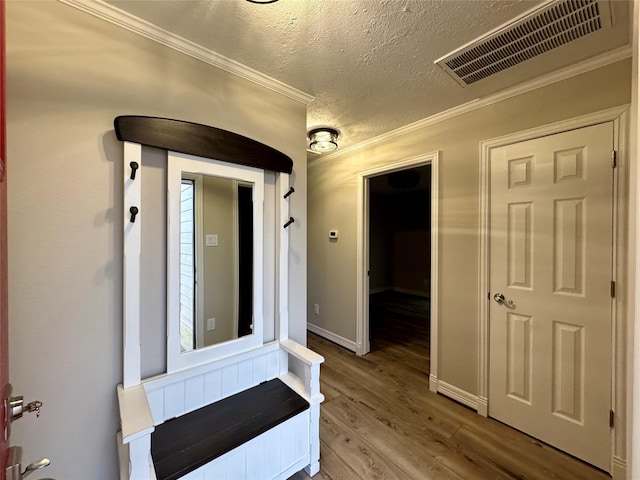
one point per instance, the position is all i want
(554, 77)
(145, 29)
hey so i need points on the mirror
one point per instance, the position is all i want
(214, 274)
(216, 260)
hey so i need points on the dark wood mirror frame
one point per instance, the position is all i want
(201, 141)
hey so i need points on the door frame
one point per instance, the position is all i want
(620, 118)
(363, 345)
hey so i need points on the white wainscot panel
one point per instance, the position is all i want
(175, 394)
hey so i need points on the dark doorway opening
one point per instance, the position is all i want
(400, 264)
(245, 260)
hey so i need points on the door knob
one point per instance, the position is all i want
(499, 298)
(14, 460)
(32, 467)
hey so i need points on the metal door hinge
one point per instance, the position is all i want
(611, 418)
(613, 289)
(614, 159)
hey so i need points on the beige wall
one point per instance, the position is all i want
(380, 245)
(411, 261)
(399, 242)
(69, 74)
(333, 204)
(219, 265)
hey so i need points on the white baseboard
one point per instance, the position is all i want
(373, 291)
(417, 293)
(457, 394)
(483, 406)
(619, 468)
(343, 342)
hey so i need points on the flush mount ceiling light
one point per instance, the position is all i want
(323, 139)
(262, 1)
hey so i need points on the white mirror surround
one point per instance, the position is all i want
(178, 165)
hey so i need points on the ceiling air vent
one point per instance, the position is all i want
(536, 32)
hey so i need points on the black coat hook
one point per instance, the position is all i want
(133, 211)
(291, 190)
(291, 220)
(134, 166)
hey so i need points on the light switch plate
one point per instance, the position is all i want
(211, 240)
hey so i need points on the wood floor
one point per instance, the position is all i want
(379, 419)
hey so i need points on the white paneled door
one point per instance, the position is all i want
(551, 259)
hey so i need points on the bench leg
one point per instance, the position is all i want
(139, 451)
(312, 469)
(314, 433)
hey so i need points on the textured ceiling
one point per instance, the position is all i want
(368, 63)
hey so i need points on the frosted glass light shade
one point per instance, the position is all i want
(323, 140)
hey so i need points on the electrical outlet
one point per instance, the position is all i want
(211, 323)
(316, 309)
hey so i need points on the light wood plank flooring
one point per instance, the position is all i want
(379, 419)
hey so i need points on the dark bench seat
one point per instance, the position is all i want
(190, 441)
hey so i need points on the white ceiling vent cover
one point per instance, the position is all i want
(536, 32)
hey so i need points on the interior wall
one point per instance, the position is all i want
(411, 261)
(412, 240)
(219, 264)
(400, 242)
(69, 75)
(153, 263)
(333, 204)
(380, 244)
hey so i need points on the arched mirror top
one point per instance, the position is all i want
(201, 141)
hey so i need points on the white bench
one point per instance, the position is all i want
(278, 453)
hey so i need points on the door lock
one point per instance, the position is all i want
(16, 407)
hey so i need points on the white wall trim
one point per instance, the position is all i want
(362, 253)
(618, 468)
(633, 288)
(563, 74)
(619, 116)
(607, 115)
(433, 383)
(621, 274)
(159, 35)
(483, 406)
(343, 342)
(457, 394)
